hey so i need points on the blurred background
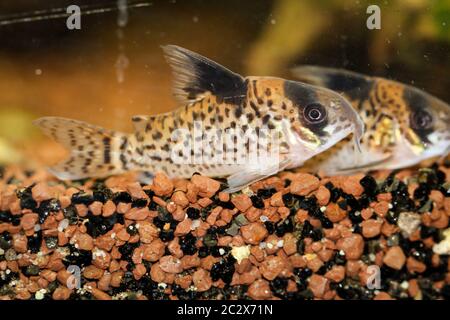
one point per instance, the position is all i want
(113, 67)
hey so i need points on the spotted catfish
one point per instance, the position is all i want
(306, 119)
(404, 125)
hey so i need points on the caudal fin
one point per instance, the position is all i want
(94, 151)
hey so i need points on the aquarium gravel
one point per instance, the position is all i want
(384, 235)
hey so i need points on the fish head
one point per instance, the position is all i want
(425, 126)
(320, 117)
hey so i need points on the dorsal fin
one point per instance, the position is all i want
(196, 76)
(339, 80)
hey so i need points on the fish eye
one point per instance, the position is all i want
(421, 120)
(315, 113)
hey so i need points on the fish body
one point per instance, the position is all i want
(404, 125)
(295, 120)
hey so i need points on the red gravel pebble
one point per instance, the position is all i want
(318, 285)
(371, 228)
(207, 187)
(395, 258)
(202, 280)
(353, 246)
(28, 221)
(272, 266)
(242, 202)
(162, 185)
(304, 184)
(323, 196)
(259, 290)
(170, 264)
(254, 233)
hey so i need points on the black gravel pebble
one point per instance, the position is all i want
(193, 213)
(257, 202)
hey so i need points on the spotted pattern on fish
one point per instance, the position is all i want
(306, 119)
(390, 111)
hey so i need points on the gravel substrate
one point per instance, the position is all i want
(292, 236)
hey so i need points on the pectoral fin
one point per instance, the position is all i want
(241, 179)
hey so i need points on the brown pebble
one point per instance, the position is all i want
(92, 272)
(61, 293)
(318, 285)
(101, 259)
(83, 241)
(259, 290)
(202, 280)
(301, 216)
(382, 296)
(413, 288)
(323, 196)
(137, 214)
(224, 197)
(254, 233)
(184, 281)
(207, 187)
(170, 264)
(336, 273)
(28, 221)
(41, 191)
(289, 244)
(139, 271)
(135, 190)
(154, 251)
(147, 231)
(156, 273)
(183, 228)
(20, 243)
(116, 278)
(272, 266)
(213, 215)
(123, 207)
(314, 264)
(100, 295)
(96, 208)
(226, 215)
(207, 262)
(104, 242)
(352, 245)
(180, 199)
(335, 213)
(277, 199)
(108, 209)
(371, 228)
(242, 202)
(162, 185)
(188, 262)
(381, 208)
(123, 235)
(351, 185)
(104, 282)
(175, 248)
(394, 258)
(258, 253)
(304, 184)
(367, 213)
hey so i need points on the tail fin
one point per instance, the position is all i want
(95, 151)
